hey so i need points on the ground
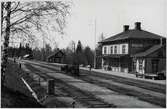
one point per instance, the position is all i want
(90, 89)
(14, 93)
(99, 90)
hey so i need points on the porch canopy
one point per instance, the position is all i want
(148, 51)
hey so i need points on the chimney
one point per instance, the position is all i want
(126, 28)
(138, 25)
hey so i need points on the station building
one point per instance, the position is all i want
(134, 50)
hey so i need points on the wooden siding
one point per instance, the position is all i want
(161, 65)
(137, 46)
(134, 46)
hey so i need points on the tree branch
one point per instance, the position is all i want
(14, 8)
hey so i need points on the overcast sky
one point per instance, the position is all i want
(110, 17)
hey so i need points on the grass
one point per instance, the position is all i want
(48, 102)
(14, 94)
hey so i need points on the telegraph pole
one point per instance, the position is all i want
(95, 45)
(43, 54)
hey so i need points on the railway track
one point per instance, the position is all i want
(142, 84)
(139, 83)
(158, 99)
(161, 101)
(95, 78)
(84, 97)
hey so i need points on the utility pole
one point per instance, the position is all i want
(43, 54)
(95, 45)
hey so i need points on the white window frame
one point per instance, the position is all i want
(124, 49)
(105, 50)
(115, 49)
(111, 50)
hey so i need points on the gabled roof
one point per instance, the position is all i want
(149, 51)
(138, 34)
(56, 53)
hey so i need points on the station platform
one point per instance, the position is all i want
(125, 75)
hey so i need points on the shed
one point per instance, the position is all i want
(57, 57)
(152, 60)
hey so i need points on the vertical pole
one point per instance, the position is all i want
(43, 54)
(119, 65)
(51, 88)
(95, 47)
(102, 63)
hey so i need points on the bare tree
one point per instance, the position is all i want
(6, 37)
(71, 46)
(99, 51)
(26, 17)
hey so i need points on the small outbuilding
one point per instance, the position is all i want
(57, 57)
(151, 61)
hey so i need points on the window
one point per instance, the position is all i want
(115, 49)
(134, 64)
(123, 49)
(140, 65)
(105, 50)
(111, 50)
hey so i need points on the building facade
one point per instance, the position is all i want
(122, 52)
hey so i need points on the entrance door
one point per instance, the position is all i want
(140, 65)
(154, 66)
(134, 65)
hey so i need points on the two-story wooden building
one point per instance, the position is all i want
(134, 50)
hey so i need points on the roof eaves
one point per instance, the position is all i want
(148, 51)
(130, 34)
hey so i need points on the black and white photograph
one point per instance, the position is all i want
(83, 53)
